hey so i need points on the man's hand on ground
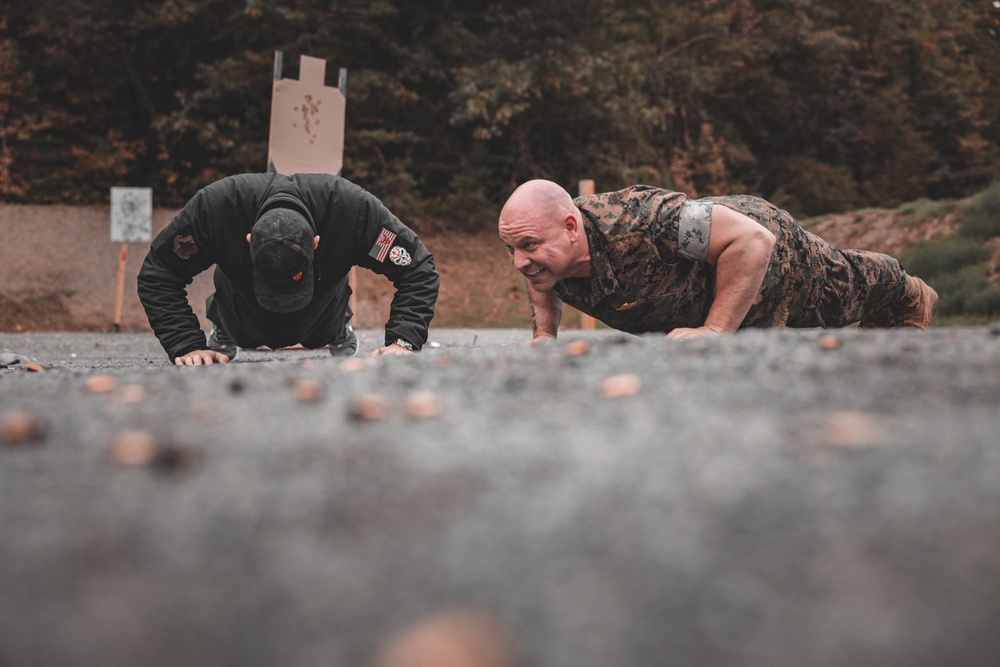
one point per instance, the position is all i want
(539, 340)
(391, 349)
(202, 358)
(684, 334)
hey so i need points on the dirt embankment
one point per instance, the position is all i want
(882, 231)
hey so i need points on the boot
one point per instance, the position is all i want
(347, 345)
(920, 302)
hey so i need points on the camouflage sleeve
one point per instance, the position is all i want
(679, 226)
(693, 230)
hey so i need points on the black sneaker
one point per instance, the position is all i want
(346, 346)
(219, 341)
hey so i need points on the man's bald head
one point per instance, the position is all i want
(540, 201)
(542, 230)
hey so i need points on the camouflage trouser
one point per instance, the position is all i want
(810, 283)
(833, 288)
(867, 287)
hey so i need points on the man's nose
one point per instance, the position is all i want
(520, 260)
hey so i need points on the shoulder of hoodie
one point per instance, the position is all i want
(316, 193)
(305, 186)
(266, 183)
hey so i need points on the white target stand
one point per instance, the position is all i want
(131, 222)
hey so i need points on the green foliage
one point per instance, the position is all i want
(956, 268)
(915, 212)
(962, 320)
(966, 291)
(981, 217)
(985, 301)
(942, 256)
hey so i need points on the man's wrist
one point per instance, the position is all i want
(405, 344)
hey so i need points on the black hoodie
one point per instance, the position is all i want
(353, 227)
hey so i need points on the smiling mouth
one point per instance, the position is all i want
(532, 275)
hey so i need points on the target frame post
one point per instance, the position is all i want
(131, 221)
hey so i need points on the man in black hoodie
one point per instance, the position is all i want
(283, 247)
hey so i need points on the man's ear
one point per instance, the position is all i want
(248, 238)
(315, 242)
(571, 225)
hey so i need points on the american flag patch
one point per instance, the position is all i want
(382, 245)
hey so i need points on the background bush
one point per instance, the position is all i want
(921, 209)
(956, 268)
(981, 217)
(941, 256)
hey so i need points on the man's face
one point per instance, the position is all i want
(542, 250)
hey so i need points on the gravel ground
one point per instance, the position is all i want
(768, 498)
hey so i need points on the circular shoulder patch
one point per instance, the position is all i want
(399, 257)
(184, 246)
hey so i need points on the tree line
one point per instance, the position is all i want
(819, 105)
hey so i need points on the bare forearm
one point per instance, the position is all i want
(546, 313)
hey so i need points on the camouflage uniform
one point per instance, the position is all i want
(650, 270)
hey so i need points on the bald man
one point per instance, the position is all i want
(646, 259)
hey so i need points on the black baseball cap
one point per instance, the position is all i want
(281, 249)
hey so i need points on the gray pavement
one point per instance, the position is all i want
(768, 498)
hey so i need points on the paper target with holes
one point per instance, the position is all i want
(131, 214)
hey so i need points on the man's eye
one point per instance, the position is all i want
(529, 245)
